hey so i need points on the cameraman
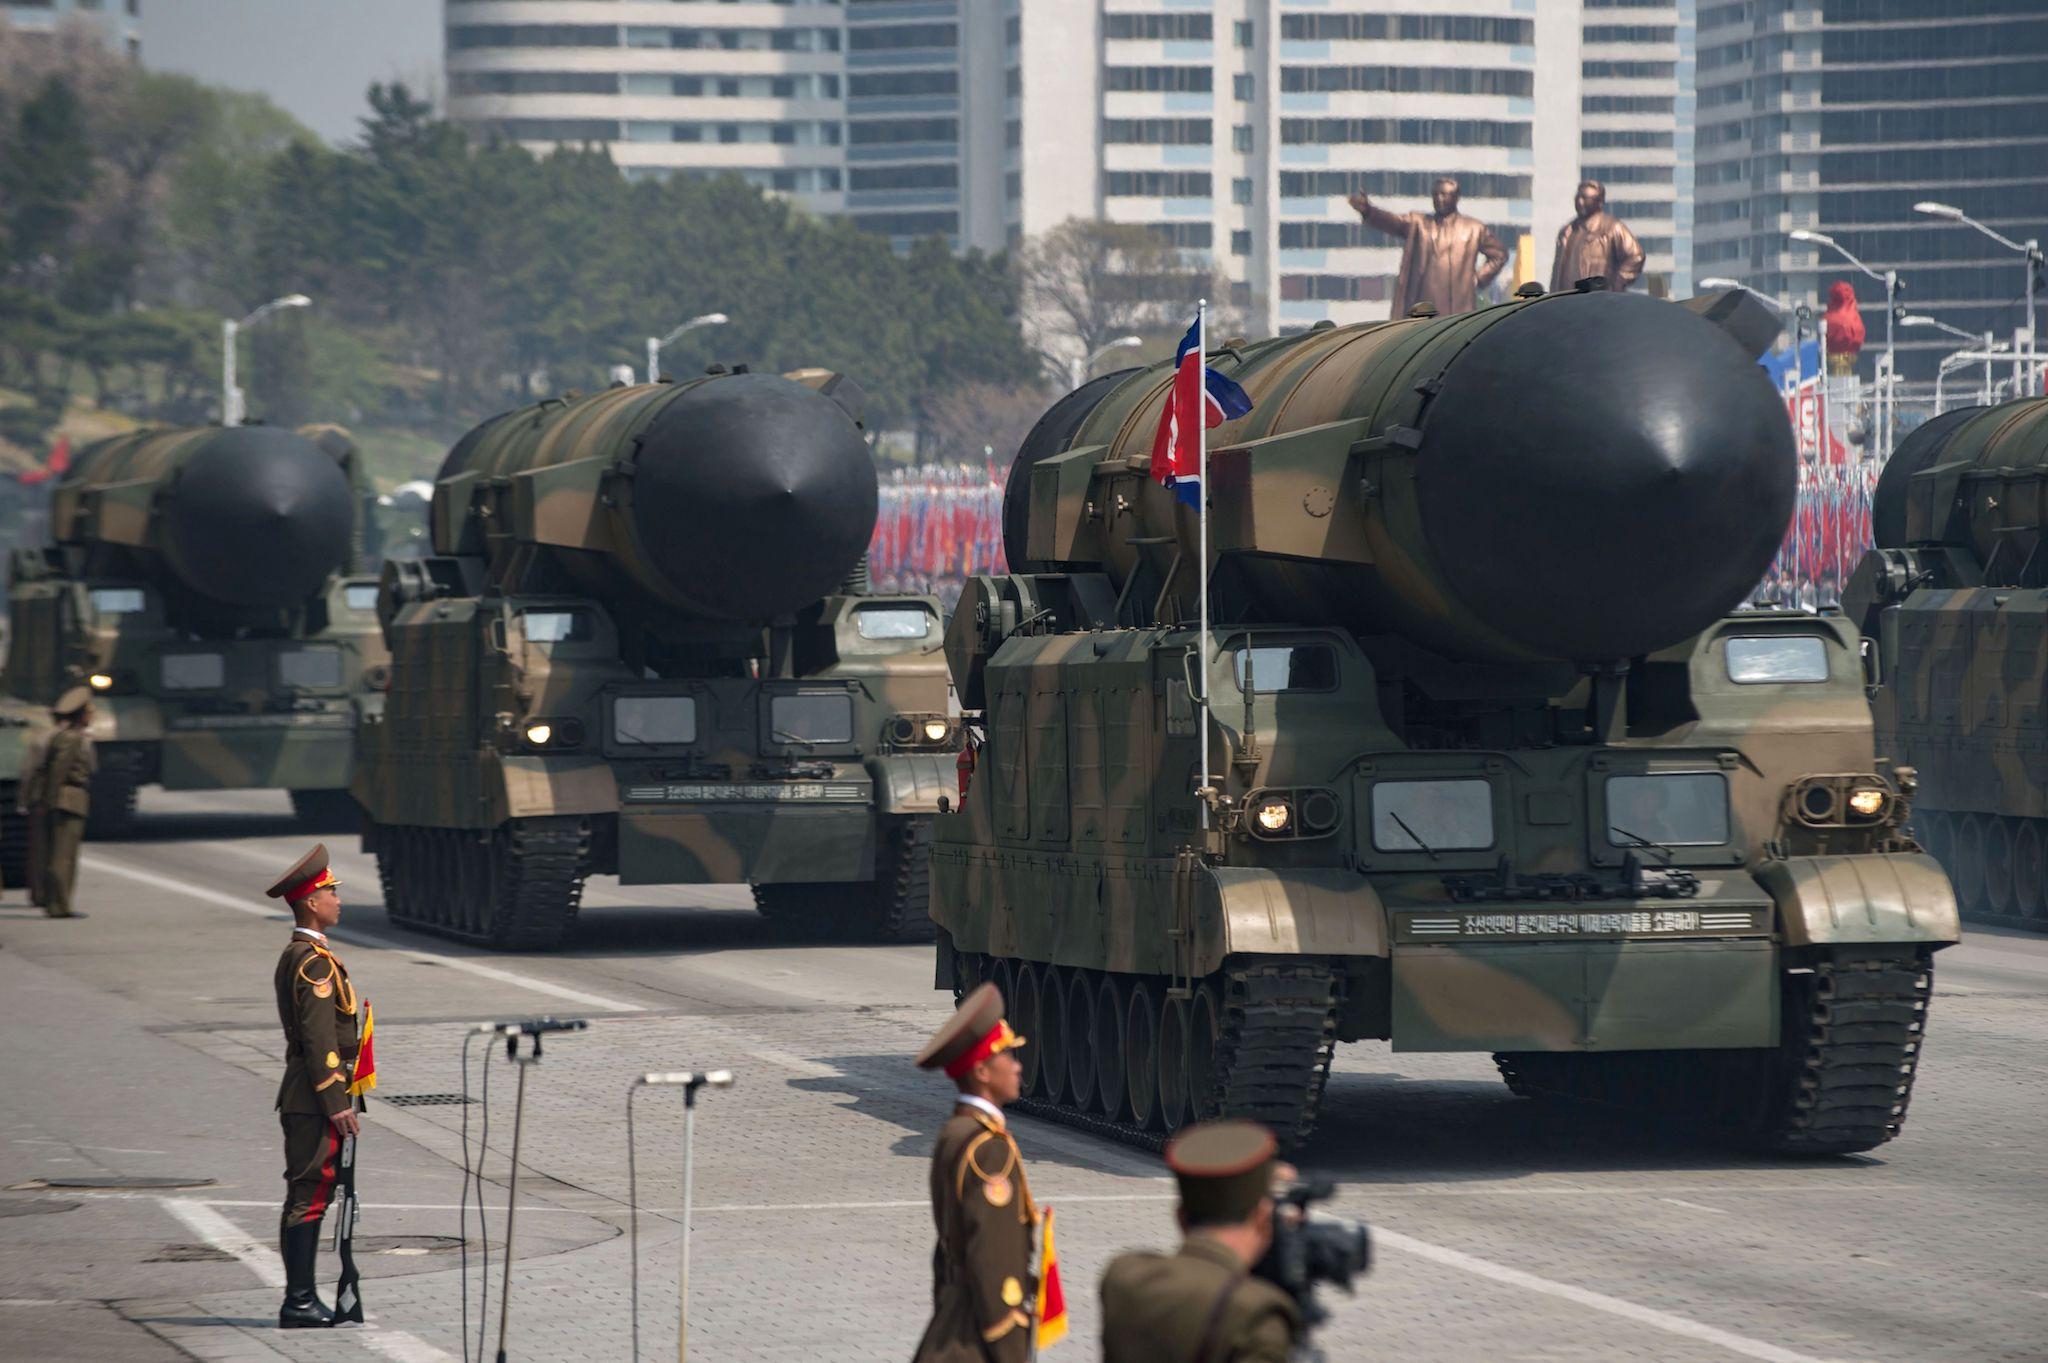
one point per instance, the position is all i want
(1203, 1305)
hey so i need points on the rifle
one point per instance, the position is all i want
(348, 1300)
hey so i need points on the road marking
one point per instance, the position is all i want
(1599, 1301)
(401, 1347)
(463, 964)
(225, 1236)
(1692, 1206)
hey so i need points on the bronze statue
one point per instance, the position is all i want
(1596, 243)
(1439, 251)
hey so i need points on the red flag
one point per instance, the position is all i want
(1052, 1299)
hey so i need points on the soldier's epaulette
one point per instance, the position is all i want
(323, 985)
(995, 1185)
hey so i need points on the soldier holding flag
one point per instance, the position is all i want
(327, 1066)
(984, 1286)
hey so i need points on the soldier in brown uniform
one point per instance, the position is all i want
(1203, 1305)
(60, 794)
(322, 1033)
(982, 1286)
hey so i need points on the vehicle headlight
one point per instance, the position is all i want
(1273, 815)
(935, 730)
(539, 734)
(100, 681)
(1867, 801)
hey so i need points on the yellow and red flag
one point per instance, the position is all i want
(1051, 1314)
(364, 1076)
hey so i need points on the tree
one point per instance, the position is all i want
(1085, 283)
(965, 424)
(46, 169)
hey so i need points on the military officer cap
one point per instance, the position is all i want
(71, 702)
(309, 874)
(976, 1031)
(1223, 1168)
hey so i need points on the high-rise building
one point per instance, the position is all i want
(119, 20)
(1235, 128)
(1636, 126)
(1240, 127)
(753, 87)
(1838, 116)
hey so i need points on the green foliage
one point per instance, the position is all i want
(450, 280)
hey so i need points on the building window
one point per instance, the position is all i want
(1429, 132)
(1242, 32)
(1241, 191)
(1411, 80)
(1156, 184)
(1158, 132)
(1168, 79)
(1240, 243)
(1241, 137)
(1158, 27)
(1242, 88)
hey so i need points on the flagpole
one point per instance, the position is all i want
(1202, 531)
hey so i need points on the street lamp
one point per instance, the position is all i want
(1885, 380)
(1961, 357)
(655, 343)
(2030, 249)
(1077, 369)
(230, 394)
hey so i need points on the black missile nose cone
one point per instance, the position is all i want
(258, 518)
(753, 496)
(1604, 474)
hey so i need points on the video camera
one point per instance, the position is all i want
(1311, 1247)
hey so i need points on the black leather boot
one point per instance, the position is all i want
(302, 1309)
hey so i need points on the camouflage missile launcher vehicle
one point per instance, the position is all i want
(643, 647)
(1493, 769)
(1954, 600)
(199, 581)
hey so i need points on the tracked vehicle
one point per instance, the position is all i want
(1493, 768)
(1954, 599)
(643, 646)
(202, 583)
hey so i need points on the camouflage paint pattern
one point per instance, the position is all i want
(1953, 603)
(1081, 845)
(480, 659)
(272, 712)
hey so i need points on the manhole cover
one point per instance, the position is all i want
(12, 1208)
(426, 1099)
(190, 1254)
(121, 1181)
(410, 1246)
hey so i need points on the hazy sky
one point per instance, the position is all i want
(314, 57)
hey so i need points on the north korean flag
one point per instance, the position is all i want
(1199, 395)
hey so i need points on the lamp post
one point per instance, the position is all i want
(1077, 369)
(230, 329)
(1888, 376)
(655, 343)
(1922, 320)
(2030, 249)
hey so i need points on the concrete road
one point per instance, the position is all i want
(140, 1164)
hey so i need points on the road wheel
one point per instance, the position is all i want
(1111, 997)
(1141, 1054)
(2029, 870)
(1173, 1063)
(1023, 1015)
(1205, 1024)
(1051, 1040)
(1936, 832)
(1968, 870)
(1998, 888)
(1082, 990)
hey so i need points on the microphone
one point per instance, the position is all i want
(530, 1026)
(718, 1079)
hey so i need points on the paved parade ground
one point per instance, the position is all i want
(142, 1044)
